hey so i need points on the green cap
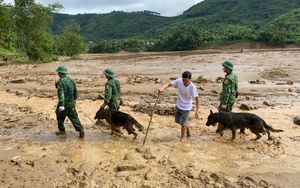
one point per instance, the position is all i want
(62, 69)
(109, 72)
(228, 64)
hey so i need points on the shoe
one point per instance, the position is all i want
(181, 139)
(60, 132)
(81, 134)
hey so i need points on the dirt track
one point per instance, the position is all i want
(32, 155)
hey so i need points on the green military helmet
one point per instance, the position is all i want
(109, 72)
(228, 64)
(62, 69)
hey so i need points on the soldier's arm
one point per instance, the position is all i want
(108, 94)
(75, 91)
(225, 91)
(61, 95)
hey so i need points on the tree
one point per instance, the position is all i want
(33, 34)
(186, 38)
(70, 42)
(4, 19)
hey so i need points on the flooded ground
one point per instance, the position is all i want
(32, 155)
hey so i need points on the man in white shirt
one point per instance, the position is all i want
(187, 91)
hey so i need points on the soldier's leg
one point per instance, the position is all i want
(114, 106)
(73, 117)
(60, 117)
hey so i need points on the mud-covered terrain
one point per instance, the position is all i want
(32, 155)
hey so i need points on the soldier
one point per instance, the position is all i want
(67, 95)
(229, 88)
(112, 97)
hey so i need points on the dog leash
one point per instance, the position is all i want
(89, 118)
(150, 119)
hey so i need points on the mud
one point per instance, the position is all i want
(32, 155)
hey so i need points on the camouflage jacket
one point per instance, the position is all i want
(229, 88)
(67, 92)
(112, 91)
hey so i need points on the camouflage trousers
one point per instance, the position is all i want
(71, 113)
(228, 108)
(115, 105)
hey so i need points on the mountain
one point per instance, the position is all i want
(114, 25)
(251, 13)
(208, 15)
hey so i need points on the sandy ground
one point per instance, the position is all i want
(32, 155)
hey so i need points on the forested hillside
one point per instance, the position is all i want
(208, 14)
(115, 25)
(251, 13)
(39, 33)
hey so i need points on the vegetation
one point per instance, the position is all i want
(38, 33)
(70, 42)
(33, 35)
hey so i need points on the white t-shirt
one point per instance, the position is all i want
(186, 94)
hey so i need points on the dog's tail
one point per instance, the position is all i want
(138, 125)
(271, 128)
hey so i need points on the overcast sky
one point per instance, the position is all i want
(164, 7)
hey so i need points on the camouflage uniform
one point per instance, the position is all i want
(67, 95)
(112, 94)
(229, 91)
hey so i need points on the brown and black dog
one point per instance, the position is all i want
(234, 121)
(119, 119)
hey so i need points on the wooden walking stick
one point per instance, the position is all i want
(150, 119)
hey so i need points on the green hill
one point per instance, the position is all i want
(210, 15)
(283, 29)
(251, 13)
(115, 25)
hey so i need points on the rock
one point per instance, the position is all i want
(140, 149)
(132, 157)
(201, 88)
(245, 107)
(157, 81)
(289, 82)
(129, 166)
(166, 161)
(257, 82)
(214, 91)
(153, 174)
(127, 174)
(148, 154)
(292, 89)
(268, 103)
(202, 79)
(18, 81)
(297, 120)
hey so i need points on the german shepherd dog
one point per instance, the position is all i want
(119, 119)
(234, 121)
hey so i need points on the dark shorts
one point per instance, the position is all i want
(182, 116)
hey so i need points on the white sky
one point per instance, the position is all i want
(164, 7)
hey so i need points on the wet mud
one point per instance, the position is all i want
(32, 155)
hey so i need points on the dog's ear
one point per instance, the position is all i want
(96, 116)
(211, 112)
